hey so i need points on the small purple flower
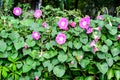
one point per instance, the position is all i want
(36, 35)
(72, 24)
(89, 30)
(44, 24)
(92, 43)
(37, 13)
(17, 11)
(118, 37)
(84, 22)
(61, 38)
(100, 17)
(95, 49)
(63, 23)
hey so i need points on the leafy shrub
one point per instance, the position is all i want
(83, 56)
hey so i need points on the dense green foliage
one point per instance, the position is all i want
(48, 60)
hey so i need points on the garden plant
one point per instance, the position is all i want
(50, 44)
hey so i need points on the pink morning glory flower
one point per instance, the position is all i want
(72, 24)
(17, 11)
(35, 35)
(100, 17)
(61, 38)
(92, 43)
(89, 30)
(44, 24)
(63, 23)
(84, 22)
(37, 13)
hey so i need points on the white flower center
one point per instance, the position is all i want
(62, 23)
(61, 38)
(36, 35)
(17, 11)
(38, 14)
(84, 23)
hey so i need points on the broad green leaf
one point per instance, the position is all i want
(103, 68)
(59, 70)
(19, 43)
(34, 54)
(109, 61)
(89, 78)
(84, 62)
(101, 55)
(84, 38)
(14, 35)
(101, 23)
(3, 46)
(29, 61)
(49, 54)
(108, 42)
(115, 51)
(50, 67)
(62, 57)
(77, 44)
(4, 34)
(110, 74)
(108, 26)
(55, 61)
(4, 73)
(70, 44)
(86, 47)
(104, 48)
(117, 74)
(26, 51)
(48, 45)
(26, 22)
(46, 63)
(113, 31)
(26, 68)
(30, 43)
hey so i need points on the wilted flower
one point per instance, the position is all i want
(84, 22)
(72, 62)
(89, 30)
(63, 23)
(100, 17)
(72, 24)
(96, 38)
(37, 13)
(98, 28)
(95, 49)
(92, 43)
(36, 78)
(36, 35)
(119, 26)
(61, 38)
(118, 37)
(44, 24)
(17, 11)
(25, 46)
